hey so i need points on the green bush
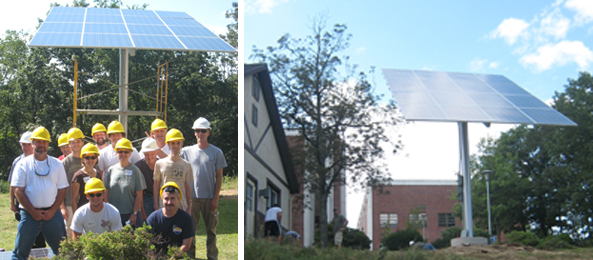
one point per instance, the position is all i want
(446, 236)
(523, 238)
(401, 239)
(356, 239)
(4, 186)
(555, 242)
(124, 244)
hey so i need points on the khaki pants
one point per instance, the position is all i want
(69, 221)
(202, 207)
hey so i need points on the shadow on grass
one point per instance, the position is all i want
(228, 220)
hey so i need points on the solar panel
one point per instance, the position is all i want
(77, 27)
(467, 97)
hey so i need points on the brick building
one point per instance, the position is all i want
(428, 204)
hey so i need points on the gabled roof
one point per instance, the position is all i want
(261, 70)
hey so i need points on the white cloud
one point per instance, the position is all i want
(555, 24)
(510, 30)
(477, 64)
(561, 53)
(262, 6)
(360, 50)
(480, 64)
(583, 9)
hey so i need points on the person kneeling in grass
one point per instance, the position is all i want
(96, 216)
(173, 225)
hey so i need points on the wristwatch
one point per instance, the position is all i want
(136, 212)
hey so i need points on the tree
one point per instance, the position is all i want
(338, 116)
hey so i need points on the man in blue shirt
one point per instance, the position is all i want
(173, 224)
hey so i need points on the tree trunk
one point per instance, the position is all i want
(323, 218)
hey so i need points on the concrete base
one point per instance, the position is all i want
(468, 241)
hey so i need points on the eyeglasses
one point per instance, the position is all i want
(201, 130)
(124, 152)
(90, 157)
(48, 168)
(98, 195)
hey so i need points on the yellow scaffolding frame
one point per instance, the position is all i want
(161, 96)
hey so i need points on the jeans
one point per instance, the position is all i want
(148, 204)
(126, 217)
(28, 228)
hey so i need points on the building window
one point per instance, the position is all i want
(254, 115)
(274, 196)
(420, 219)
(255, 89)
(249, 196)
(446, 220)
(388, 220)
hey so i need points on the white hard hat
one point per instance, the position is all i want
(201, 123)
(26, 137)
(149, 145)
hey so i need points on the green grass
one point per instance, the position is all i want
(230, 183)
(227, 238)
(227, 230)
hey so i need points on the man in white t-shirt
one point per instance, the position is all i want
(40, 186)
(96, 216)
(272, 223)
(108, 156)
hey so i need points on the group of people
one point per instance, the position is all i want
(101, 187)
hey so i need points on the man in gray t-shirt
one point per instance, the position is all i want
(207, 162)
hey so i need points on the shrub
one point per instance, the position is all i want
(4, 186)
(401, 239)
(523, 238)
(124, 244)
(555, 242)
(356, 239)
(446, 236)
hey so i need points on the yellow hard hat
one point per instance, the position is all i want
(158, 124)
(89, 148)
(115, 127)
(63, 140)
(174, 135)
(75, 133)
(171, 184)
(98, 127)
(123, 143)
(41, 133)
(93, 185)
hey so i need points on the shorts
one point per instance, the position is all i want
(338, 238)
(272, 229)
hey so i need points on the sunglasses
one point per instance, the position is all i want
(124, 152)
(98, 195)
(201, 130)
(90, 157)
(170, 189)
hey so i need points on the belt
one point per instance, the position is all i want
(43, 208)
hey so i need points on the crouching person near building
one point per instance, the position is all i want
(173, 225)
(96, 216)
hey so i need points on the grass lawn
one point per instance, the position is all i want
(227, 230)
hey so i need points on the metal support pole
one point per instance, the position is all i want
(489, 214)
(123, 92)
(468, 229)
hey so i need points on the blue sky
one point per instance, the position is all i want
(22, 15)
(537, 44)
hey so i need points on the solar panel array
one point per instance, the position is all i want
(77, 27)
(467, 97)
